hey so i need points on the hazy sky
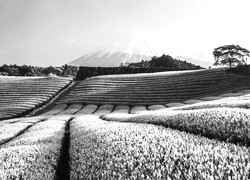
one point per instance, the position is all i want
(55, 32)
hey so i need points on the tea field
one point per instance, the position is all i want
(21, 95)
(169, 125)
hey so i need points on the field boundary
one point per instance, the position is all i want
(48, 105)
(21, 132)
(63, 166)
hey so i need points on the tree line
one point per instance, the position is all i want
(24, 70)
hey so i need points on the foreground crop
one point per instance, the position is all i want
(113, 150)
(227, 124)
(34, 154)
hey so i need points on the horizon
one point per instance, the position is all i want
(53, 33)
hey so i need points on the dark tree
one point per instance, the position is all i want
(24, 70)
(230, 54)
(65, 67)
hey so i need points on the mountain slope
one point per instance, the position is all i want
(139, 44)
(204, 64)
(156, 88)
(106, 59)
(135, 47)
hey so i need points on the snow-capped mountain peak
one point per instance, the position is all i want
(138, 46)
(142, 43)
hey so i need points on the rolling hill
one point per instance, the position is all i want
(168, 125)
(155, 88)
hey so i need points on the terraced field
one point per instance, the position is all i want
(20, 95)
(198, 135)
(156, 88)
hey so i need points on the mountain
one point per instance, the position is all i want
(204, 64)
(106, 59)
(138, 45)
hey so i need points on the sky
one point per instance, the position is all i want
(55, 32)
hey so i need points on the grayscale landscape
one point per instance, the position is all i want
(124, 90)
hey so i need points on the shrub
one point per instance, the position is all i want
(226, 124)
(112, 150)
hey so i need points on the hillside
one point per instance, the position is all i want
(164, 61)
(84, 138)
(155, 88)
(19, 96)
(204, 64)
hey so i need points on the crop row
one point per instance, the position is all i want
(230, 100)
(19, 96)
(151, 90)
(143, 83)
(226, 124)
(168, 79)
(155, 100)
(157, 87)
(34, 154)
(113, 150)
(8, 131)
(168, 74)
(62, 109)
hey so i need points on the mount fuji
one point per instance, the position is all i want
(135, 47)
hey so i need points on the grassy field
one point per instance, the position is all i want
(183, 125)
